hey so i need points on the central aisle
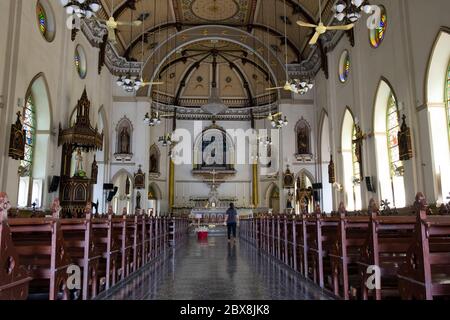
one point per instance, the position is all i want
(216, 270)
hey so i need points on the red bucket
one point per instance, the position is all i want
(202, 235)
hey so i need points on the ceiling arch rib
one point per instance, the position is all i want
(249, 28)
(187, 74)
(189, 36)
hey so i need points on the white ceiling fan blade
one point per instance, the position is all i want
(136, 23)
(305, 24)
(314, 38)
(346, 27)
(152, 83)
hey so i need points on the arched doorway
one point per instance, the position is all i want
(123, 180)
(154, 199)
(273, 198)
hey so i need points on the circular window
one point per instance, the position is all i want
(344, 66)
(80, 61)
(45, 20)
(376, 35)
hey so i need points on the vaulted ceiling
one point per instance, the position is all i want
(177, 38)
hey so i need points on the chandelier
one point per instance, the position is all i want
(129, 83)
(351, 10)
(165, 140)
(152, 120)
(215, 105)
(277, 121)
(302, 86)
(81, 8)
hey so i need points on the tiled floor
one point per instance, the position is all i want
(216, 270)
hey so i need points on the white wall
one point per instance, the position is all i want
(24, 53)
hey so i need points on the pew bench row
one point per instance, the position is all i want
(362, 255)
(52, 258)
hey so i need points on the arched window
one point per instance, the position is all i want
(26, 165)
(303, 137)
(437, 117)
(352, 178)
(389, 166)
(448, 98)
(377, 34)
(45, 20)
(33, 168)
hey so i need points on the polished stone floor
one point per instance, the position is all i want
(215, 270)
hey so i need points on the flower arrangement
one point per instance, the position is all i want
(201, 229)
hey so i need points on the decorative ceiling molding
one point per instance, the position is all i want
(241, 114)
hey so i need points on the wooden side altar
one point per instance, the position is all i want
(76, 191)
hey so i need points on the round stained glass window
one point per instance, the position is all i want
(80, 62)
(376, 35)
(344, 66)
(45, 20)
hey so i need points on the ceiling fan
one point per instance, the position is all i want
(321, 28)
(112, 25)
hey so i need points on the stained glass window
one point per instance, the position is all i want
(42, 19)
(80, 62)
(393, 127)
(344, 66)
(377, 35)
(29, 124)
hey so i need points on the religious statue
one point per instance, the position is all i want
(139, 179)
(124, 211)
(110, 210)
(17, 140)
(357, 141)
(138, 201)
(331, 174)
(290, 200)
(79, 172)
(288, 179)
(5, 205)
(153, 164)
(303, 141)
(404, 141)
(56, 209)
(124, 141)
(94, 171)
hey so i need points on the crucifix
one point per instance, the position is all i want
(357, 141)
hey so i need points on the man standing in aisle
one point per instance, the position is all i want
(231, 221)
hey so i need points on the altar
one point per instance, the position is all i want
(209, 216)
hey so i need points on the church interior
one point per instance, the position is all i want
(130, 126)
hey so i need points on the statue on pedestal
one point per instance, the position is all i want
(5, 205)
(79, 172)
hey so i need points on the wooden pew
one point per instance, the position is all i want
(14, 278)
(40, 245)
(388, 240)
(321, 234)
(107, 244)
(352, 233)
(302, 244)
(425, 274)
(79, 239)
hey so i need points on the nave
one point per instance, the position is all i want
(215, 270)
